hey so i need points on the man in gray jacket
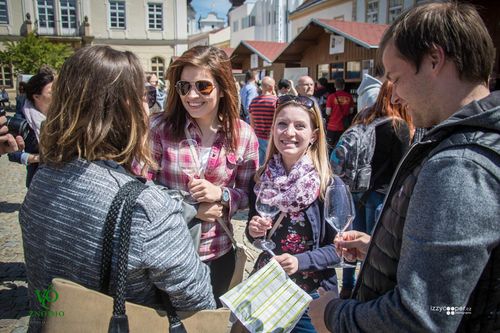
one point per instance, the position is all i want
(433, 262)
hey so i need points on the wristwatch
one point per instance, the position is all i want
(225, 197)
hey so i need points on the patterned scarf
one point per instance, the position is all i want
(298, 189)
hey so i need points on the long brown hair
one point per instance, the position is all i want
(97, 110)
(217, 62)
(383, 107)
(317, 151)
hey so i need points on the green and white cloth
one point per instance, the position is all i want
(268, 301)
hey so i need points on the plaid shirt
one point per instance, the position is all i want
(224, 168)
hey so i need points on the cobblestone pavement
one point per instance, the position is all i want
(13, 287)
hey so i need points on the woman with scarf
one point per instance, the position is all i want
(36, 106)
(297, 164)
(204, 107)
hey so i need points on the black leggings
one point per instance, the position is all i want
(221, 272)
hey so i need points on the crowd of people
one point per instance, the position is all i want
(435, 244)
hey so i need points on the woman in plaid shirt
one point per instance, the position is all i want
(204, 106)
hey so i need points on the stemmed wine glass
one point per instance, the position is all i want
(266, 209)
(339, 211)
(189, 163)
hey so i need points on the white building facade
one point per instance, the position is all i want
(155, 30)
(265, 20)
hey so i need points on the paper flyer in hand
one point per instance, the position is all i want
(268, 301)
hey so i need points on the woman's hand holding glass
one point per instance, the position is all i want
(258, 226)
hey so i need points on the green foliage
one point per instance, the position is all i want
(31, 52)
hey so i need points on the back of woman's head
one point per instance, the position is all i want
(37, 82)
(384, 107)
(218, 64)
(97, 110)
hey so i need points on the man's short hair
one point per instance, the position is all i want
(339, 84)
(456, 27)
(249, 75)
(283, 83)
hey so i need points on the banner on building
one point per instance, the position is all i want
(336, 44)
(254, 60)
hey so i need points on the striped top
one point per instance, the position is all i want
(62, 220)
(262, 112)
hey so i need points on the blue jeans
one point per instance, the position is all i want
(304, 325)
(262, 150)
(364, 221)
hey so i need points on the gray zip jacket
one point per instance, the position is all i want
(428, 258)
(62, 220)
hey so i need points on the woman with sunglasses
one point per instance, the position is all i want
(204, 107)
(297, 163)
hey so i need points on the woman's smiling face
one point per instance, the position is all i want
(293, 133)
(200, 106)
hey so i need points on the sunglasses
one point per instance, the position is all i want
(203, 87)
(302, 100)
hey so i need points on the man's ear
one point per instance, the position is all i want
(437, 58)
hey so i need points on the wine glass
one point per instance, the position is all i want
(189, 162)
(339, 211)
(267, 209)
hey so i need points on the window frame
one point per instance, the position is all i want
(158, 62)
(46, 11)
(4, 79)
(69, 30)
(155, 18)
(4, 2)
(373, 13)
(117, 12)
(390, 9)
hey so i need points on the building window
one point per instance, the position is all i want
(353, 70)
(354, 10)
(337, 71)
(117, 14)
(323, 71)
(4, 14)
(6, 76)
(158, 67)
(395, 9)
(68, 14)
(235, 26)
(45, 15)
(155, 16)
(372, 11)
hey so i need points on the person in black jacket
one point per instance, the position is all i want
(392, 140)
(34, 111)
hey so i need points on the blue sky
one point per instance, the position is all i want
(203, 7)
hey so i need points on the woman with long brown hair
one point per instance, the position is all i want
(203, 106)
(93, 132)
(392, 139)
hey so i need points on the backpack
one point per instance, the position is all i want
(351, 159)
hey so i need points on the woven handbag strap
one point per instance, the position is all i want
(126, 197)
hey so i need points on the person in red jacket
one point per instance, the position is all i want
(338, 106)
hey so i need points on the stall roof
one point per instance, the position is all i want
(364, 34)
(229, 51)
(266, 50)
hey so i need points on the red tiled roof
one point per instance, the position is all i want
(266, 50)
(365, 34)
(229, 51)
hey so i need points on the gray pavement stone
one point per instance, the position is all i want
(13, 288)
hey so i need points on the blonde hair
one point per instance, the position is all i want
(317, 151)
(102, 117)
